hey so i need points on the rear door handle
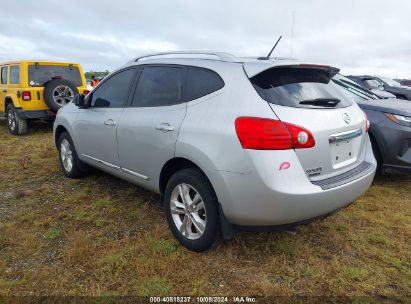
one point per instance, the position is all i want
(110, 123)
(4, 91)
(165, 127)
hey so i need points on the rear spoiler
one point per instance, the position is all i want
(256, 68)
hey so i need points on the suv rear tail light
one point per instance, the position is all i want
(26, 95)
(86, 92)
(269, 134)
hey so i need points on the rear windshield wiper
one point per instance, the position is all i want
(321, 102)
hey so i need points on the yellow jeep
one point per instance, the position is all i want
(37, 90)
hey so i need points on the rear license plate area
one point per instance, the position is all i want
(342, 152)
(345, 147)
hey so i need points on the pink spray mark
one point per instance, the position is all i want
(285, 166)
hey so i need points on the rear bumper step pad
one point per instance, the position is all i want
(363, 169)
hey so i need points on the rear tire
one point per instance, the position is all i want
(193, 220)
(15, 124)
(71, 165)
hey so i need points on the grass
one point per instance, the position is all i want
(101, 236)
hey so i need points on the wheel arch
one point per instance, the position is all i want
(9, 100)
(60, 129)
(172, 166)
(377, 138)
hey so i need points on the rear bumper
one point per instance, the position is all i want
(268, 197)
(35, 114)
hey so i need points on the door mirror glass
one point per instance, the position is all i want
(80, 100)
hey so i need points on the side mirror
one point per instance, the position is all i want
(80, 101)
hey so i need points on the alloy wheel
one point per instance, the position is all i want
(63, 94)
(66, 155)
(11, 119)
(188, 211)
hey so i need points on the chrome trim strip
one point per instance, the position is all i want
(135, 174)
(344, 136)
(101, 162)
(116, 167)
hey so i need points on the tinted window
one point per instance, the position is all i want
(299, 87)
(4, 75)
(201, 82)
(159, 86)
(40, 74)
(14, 74)
(113, 92)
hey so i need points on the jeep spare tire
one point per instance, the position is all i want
(58, 93)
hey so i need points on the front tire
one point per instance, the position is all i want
(15, 124)
(192, 209)
(69, 161)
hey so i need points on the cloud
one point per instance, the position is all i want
(357, 36)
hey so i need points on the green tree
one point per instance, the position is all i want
(96, 74)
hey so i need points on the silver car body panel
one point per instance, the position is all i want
(146, 140)
(249, 184)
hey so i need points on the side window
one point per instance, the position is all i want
(159, 86)
(15, 74)
(114, 91)
(3, 75)
(202, 82)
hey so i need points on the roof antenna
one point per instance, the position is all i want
(269, 54)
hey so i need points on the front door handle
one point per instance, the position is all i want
(110, 123)
(165, 127)
(4, 91)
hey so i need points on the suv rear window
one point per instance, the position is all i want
(40, 74)
(300, 87)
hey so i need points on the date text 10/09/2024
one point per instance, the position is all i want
(203, 299)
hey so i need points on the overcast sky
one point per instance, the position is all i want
(363, 36)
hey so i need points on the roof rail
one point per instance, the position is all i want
(220, 55)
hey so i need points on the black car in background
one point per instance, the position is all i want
(383, 83)
(373, 85)
(405, 82)
(390, 126)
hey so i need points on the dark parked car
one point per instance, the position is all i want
(405, 82)
(383, 83)
(372, 85)
(390, 128)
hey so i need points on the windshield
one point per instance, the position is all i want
(354, 90)
(390, 82)
(374, 84)
(300, 87)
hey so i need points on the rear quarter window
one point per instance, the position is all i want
(289, 86)
(40, 74)
(201, 82)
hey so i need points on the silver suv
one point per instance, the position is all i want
(230, 143)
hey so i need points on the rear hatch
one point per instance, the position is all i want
(307, 96)
(41, 73)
